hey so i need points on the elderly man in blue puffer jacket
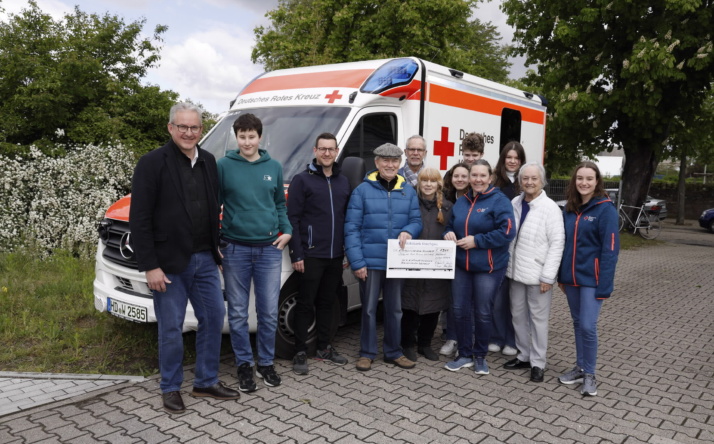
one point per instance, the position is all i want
(382, 207)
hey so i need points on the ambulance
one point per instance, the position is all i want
(365, 104)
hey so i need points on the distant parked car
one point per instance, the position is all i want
(706, 220)
(651, 204)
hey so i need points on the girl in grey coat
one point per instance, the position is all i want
(424, 299)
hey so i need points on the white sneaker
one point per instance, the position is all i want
(509, 351)
(494, 348)
(448, 348)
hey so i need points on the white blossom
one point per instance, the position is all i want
(54, 202)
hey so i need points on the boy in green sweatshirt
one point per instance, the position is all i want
(254, 231)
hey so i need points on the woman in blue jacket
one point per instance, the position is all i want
(587, 271)
(481, 224)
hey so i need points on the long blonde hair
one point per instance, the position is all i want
(435, 175)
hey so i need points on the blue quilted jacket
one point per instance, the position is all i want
(375, 215)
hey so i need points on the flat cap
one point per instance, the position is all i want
(388, 150)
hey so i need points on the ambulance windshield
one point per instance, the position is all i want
(393, 73)
(288, 133)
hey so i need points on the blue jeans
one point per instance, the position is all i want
(391, 290)
(585, 311)
(262, 266)
(502, 332)
(200, 284)
(473, 296)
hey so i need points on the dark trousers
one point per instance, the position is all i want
(419, 328)
(318, 292)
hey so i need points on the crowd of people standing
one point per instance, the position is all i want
(513, 244)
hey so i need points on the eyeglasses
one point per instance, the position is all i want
(184, 128)
(415, 150)
(326, 150)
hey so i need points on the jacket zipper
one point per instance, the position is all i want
(466, 228)
(575, 246)
(332, 213)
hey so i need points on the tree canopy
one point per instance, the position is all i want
(617, 73)
(78, 80)
(315, 32)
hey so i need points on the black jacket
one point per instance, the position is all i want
(159, 219)
(316, 210)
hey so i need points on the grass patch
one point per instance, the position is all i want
(629, 241)
(48, 322)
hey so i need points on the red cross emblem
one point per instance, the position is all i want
(334, 96)
(443, 147)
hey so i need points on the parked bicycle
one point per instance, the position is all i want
(646, 223)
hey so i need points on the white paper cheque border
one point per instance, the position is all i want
(421, 259)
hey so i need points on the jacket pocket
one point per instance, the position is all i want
(309, 237)
(597, 271)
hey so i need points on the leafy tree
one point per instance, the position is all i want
(617, 73)
(77, 80)
(692, 141)
(315, 32)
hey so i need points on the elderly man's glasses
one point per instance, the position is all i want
(185, 128)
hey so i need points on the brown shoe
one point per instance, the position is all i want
(401, 362)
(363, 364)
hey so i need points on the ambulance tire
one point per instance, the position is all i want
(285, 335)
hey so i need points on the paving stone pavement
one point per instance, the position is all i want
(22, 391)
(655, 374)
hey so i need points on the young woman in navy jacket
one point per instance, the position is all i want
(587, 271)
(481, 224)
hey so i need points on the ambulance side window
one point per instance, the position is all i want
(510, 126)
(371, 131)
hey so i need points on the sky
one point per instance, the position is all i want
(206, 50)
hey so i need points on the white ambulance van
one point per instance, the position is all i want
(365, 104)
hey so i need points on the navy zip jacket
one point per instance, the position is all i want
(316, 210)
(488, 217)
(592, 243)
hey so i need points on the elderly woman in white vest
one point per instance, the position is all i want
(533, 268)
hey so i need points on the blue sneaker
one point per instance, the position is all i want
(459, 363)
(480, 367)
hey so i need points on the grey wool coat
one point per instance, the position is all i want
(426, 296)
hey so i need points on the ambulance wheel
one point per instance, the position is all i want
(285, 335)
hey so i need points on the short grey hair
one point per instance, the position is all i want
(539, 167)
(416, 136)
(185, 106)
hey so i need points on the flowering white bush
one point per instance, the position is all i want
(53, 203)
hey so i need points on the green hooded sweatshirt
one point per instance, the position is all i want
(253, 199)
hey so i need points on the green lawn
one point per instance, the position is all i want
(48, 322)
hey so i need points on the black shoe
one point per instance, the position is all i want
(428, 353)
(329, 354)
(516, 363)
(245, 378)
(173, 402)
(217, 391)
(300, 364)
(537, 374)
(267, 372)
(410, 353)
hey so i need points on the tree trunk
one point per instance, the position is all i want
(640, 166)
(681, 189)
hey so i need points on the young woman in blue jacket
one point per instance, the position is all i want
(587, 271)
(481, 224)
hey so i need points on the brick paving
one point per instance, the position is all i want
(655, 374)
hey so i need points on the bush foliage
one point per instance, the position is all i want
(55, 202)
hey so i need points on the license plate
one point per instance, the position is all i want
(127, 311)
